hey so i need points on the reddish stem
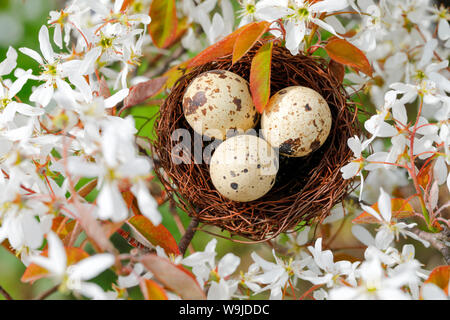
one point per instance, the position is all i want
(312, 289)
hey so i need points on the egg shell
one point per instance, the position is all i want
(218, 101)
(297, 121)
(243, 168)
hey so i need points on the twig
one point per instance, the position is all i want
(186, 239)
(4, 293)
(438, 240)
(47, 293)
(310, 290)
(176, 217)
(165, 66)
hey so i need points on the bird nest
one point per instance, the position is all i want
(306, 188)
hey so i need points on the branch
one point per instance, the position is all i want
(438, 240)
(186, 239)
(47, 293)
(5, 294)
(165, 66)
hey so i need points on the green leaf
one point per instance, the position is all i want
(156, 235)
(246, 40)
(163, 27)
(260, 72)
(342, 51)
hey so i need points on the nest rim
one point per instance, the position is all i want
(308, 198)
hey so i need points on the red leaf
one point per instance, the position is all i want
(219, 49)
(163, 27)
(400, 209)
(63, 228)
(104, 89)
(336, 70)
(260, 73)
(424, 178)
(440, 276)
(144, 90)
(153, 291)
(126, 4)
(176, 278)
(156, 235)
(95, 232)
(34, 272)
(342, 51)
(246, 40)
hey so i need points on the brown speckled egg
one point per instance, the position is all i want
(217, 101)
(243, 168)
(297, 120)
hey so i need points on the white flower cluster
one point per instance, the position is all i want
(66, 131)
(385, 272)
(405, 42)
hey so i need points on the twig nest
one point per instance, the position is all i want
(305, 188)
(218, 101)
(243, 168)
(297, 121)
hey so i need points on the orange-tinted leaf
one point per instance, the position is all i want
(163, 26)
(400, 209)
(342, 51)
(246, 40)
(131, 202)
(103, 90)
(62, 227)
(156, 235)
(349, 34)
(7, 246)
(175, 278)
(336, 70)
(34, 272)
(153, 291)
(126, 4)
(144, 90)
(440, 276)
(220, 49)
(175, 73)
(424, 176)
(182, 27)
(260, 73)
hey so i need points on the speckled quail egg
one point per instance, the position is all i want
(297, 121)
(243, 168)
(217, 101)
